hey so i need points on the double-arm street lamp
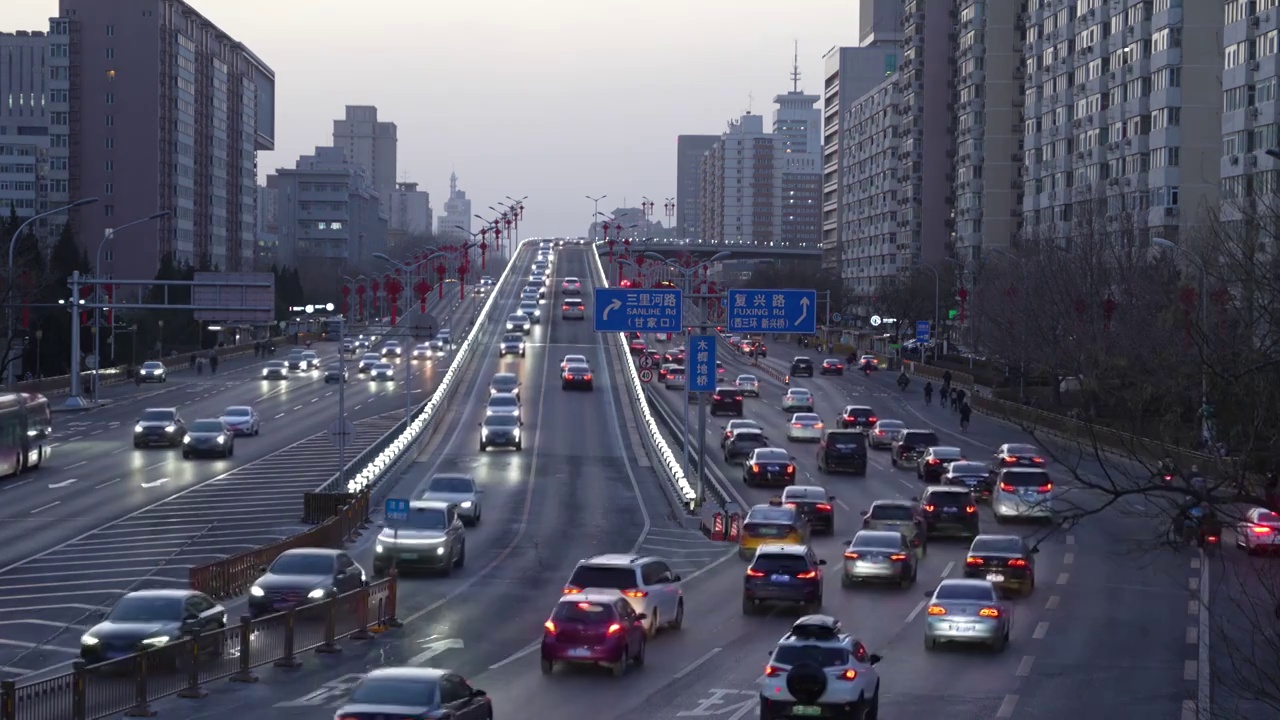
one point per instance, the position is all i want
(97, 294)
(516, 209)
(406, 353)
(595, 213)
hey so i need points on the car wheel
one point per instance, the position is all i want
(477, 518)
(256, 430)
(726, 458)
(846, 581)
(679, 621)
(548, 666)
(655, 624)
(621, 668)
(639, 659)
(748, 606)
(872, 710)
(930, 643)
(519, 445)
(231, 451)
(461, 560)
(1001, 643)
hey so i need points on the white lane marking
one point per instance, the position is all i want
(109, 482)
(918, 609)
(314, 400)
(1189, 669)
(154, 483)
(694, 665)
(1071, 539)
(1024, 667)
(841, 504)
(64, 483)
(298, 407)
(1052, 604)
(516, 655)
(95, 432)
(1042, 629)
(1204, 703)
(46, 507)
(1006, 707)
(117, 451)
(153, 467)
(75, 438)
(1063, 578)
(947, 570)
(1068, 558)
(73, 467)
(277, 417)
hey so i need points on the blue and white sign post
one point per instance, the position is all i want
(659, 310)
(702, 367)
(773, 311)
(397, 510)
(922, 331)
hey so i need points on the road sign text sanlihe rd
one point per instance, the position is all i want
(627, 310)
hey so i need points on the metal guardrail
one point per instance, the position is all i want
(59, 384)
(128, 685)
(668, 420)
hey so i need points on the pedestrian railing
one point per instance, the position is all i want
(129, 685)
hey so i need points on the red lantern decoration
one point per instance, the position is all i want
(360, 293)
(346, 298)
(394, 287)
(484, 248)
(964, 297)
(1108, 311)
(85, 292)
(422, 289)
(375, 287)
(441, 271)
(463, 269)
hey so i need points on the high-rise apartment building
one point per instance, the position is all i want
(879, 21)
(689, 152)
(1250, 121)
(742, 186)
(369, 142)
(1120, 97)
(410, 215)
(870, 168)
(457, 214)
(267, 229)
(797, 132)
(25, 183)
(114, 63)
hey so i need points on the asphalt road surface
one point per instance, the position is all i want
(102, 518)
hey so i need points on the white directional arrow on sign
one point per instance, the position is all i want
(154, 483)
(616, 304)
(64, 483)
(804, 310)
(433, 648)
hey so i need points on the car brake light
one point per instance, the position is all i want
(897, 557)
(824, 507)
(796, 425)
(849, 674)
(1017, 562)
(807, 575)
(791, 469)
(819, 426)
(771, 671)
(754, 573)
(852, 555)
(587, 376)
(1006, 487)
(571, 590)
(635, 593)
(550, 626)
(1045, 488)
(934, 461)
(974, 562)
(715, 397)
(929, 508)
(971, 509)
(1038, 460)
(989, 612)
(936, 610)
(614, 629)
(872, 419)
(1260, 530)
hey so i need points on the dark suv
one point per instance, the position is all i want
(802, 367)
(910, 445)
(843, 451)
(727, 400)
(783, 574)
(949, 511)
(858, 417)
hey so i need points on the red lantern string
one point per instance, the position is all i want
(422, 288)
(463, 269)
(441, 271)
(394, 288)
(346, 299)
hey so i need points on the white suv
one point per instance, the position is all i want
(648, 583)
(817, 669)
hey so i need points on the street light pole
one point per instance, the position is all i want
(1205, 424)
(595, 213)
(407, 271)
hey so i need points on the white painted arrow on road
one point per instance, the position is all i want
(64, 483)
(434, 648)
(161, 481)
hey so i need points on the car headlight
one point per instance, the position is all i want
(256, 591)
(170, 428)
(316, 594)
(221, 439)
(137, 428)
(467, 503)
(157, 640)
(440, 550)
(379, 549)
(186, 439)
(265, 373)
(89, 640)
(537, 313)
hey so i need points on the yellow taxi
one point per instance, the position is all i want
(772, 524)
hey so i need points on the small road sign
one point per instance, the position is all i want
(646, 361)
(836, 317)
(646, 375)
(773, 311)
(397, 510)
(922, 331)
(702, 367)
(626, 310)
(342, 434)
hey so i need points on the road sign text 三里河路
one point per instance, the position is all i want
(625, 310)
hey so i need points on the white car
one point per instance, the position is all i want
(574, 360)
(675, 379)
(519, 322)
(153, 371)
(421, 351)
(748, 384)
(458, 490)
(573, 309)
(805, 426)
(1022, 493)
(392, 349)
(571, 286)
(530, 309)
(797, 400)
(967, 611)
(649, 584)
(1259, 531)
(851, 679)
(241, 420)
(382, 371)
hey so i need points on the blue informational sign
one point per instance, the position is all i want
(657, 310)
(773, 311)
(701, 373)
(397, 509)
(922, 331)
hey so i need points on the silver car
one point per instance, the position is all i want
(1022, 493)
(241, 420)
(511, 344)
(884, 432)
(503, 404)
(573, 309)
(458, 490)
(275, 370)
(367, 361)
(675, 379)
(748, 384)
(504, 383)
(530, 309)
(967, 611)
(797, 400)
(879, 556)
(421, 351)
(382, 371)
(518, 322)
(805, 426)
(153, 371)
(431, 538)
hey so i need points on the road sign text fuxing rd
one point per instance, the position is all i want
(623, 310)
(773, 311)
(702, 375)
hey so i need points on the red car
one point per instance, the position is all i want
(593, 629)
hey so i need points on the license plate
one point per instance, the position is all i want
(780, 578)
(579, 652)
(774, 468)
(995, 577)
(950, 510)
(806, 710)
(409, 556)
(963, 628)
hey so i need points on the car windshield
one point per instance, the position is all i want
(237, 412)
(584, 612)
(898, 513)
(335, 367)
(820, 655)
(207, 426)
(502, 421)
(772, 455)
(798, 493)
(517, 318)
(157, 415)
(891, 425)
(382, 366)
(617, 578)
(744, 424)
(753, 437)
(451, 484)
(770, 515)
(151, 366)
(798, 393)
(276, 364)
(371, 357)
(403, 692)
(860, 412)
(423, 519)
(990, 544)
(503, 381)
(143, 608)
(807, 418)
(1025, 479)
(878, 541)
(503, 401)
(303, 564)
(1021, 450)
(969, 468)
(1268, 518)
(578, 369)
(528, 305)
(747, 378)
(295, 355)
(780, 563)
(920, 439)
(844, 440)
(575, 360)
(950, 499)
(970, 592)
(512, 338)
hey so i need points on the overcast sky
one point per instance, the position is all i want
(554, 99)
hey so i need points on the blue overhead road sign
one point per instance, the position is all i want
(922, 331)
(702, 366)
(621, 310)
(397, 510)
(773, 311)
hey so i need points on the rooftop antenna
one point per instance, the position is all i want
(795, 69)
(751, 98)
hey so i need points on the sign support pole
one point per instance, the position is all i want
(342, 402)
(688, 338)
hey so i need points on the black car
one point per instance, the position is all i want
(335, 372)
(576, 377)
(744, 442)
(949, 511)
(843, 451)
(933, 463)
(832, 366)
(159, 426)
(1005, 561)
(414, 692)
(860, 417)
(769, 466)
(302, 576)
(814, 505)
(727, 401)
(784, 574)
(208, 438)
(1018, 455)
(802, 367)
(501, 431)
(297, 362)
(910, 445)
(149, 619)
(975, 476)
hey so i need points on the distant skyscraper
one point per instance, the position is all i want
(797, 131)
(689, 152)
(366, 141)
(457, 212)
(741, 186)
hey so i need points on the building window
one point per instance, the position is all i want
(111, 166)
(108, 210)
(109, 189)
(111, 143)
(111, 31)
(111, 257)
(111, 53)
(111, 121)
(111, 98)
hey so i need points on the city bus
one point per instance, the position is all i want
(26, 424)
